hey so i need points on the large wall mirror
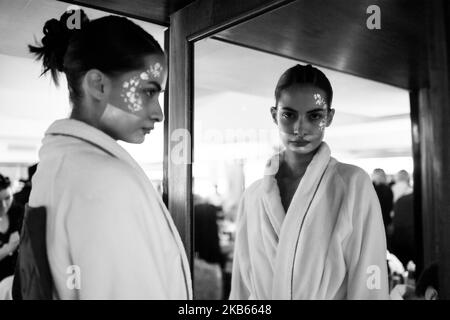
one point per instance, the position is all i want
(236, 71)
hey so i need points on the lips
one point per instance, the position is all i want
(147, 130)
(299, 143)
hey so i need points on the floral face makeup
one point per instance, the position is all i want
(131, 94)
(133, 106)
(302, 115)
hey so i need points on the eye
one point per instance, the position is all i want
(316, 116)
(151, 92)
(287, 115)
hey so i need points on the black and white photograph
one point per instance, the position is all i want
(224, 151)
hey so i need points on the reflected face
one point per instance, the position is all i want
(302, 115)
(133, 106)
(6, 199)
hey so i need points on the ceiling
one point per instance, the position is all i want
(156, 11)
(334, 34)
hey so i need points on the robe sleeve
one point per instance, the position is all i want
(366, 244)
(108, 244)
(240, 284)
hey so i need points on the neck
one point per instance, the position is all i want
(86, 114)
(295, 164)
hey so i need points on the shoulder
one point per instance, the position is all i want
(94, 173)
(254, 189)
(352, 175)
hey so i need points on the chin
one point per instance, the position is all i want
(138, 139)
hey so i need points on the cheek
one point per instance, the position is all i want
(120, 122)
(131, 99)
(322, 124)
(285, 125)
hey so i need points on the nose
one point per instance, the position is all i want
(156, 113)
(300, 126)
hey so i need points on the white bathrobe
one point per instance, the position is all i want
(108, 230)
(331, 244)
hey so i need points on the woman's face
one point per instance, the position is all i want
(302, 114)
(6, 199)
(133, 106)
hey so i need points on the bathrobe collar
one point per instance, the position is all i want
(291, 222)
(83, 131)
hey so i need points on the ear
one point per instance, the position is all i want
(95, 84)
(330, 117)
(273, 112)
(431, 293)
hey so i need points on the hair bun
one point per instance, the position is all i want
(55, 42)
(57, 34)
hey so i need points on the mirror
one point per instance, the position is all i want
(234, 136)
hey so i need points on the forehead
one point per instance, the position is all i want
(151, 60)
(155, 68)
(300, 97)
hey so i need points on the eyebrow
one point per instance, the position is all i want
(156, 84)
(309, 111)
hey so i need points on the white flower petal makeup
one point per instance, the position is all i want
(131, 96)
(156, 70)
(144, 76)
(323, 124)
(130, 93)
(320, 101)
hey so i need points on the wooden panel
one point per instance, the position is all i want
(419, 218)
(334, 34)
(165, 185)
(179, 118)
(434, 111)
(155, 11)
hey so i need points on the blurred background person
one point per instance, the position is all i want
(210, 261)
(402, 240)
(11, 217)
(385, 196)
(23, 195)
(402, 185)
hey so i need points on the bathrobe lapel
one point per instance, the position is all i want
(292, 224)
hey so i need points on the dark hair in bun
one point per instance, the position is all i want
(4, 182)
(111, 44)
(304, 75)
(55, 42)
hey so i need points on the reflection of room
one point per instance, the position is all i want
(235, 135)
(232, 120)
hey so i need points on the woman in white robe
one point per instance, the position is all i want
(108, 233)
(312, 227)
